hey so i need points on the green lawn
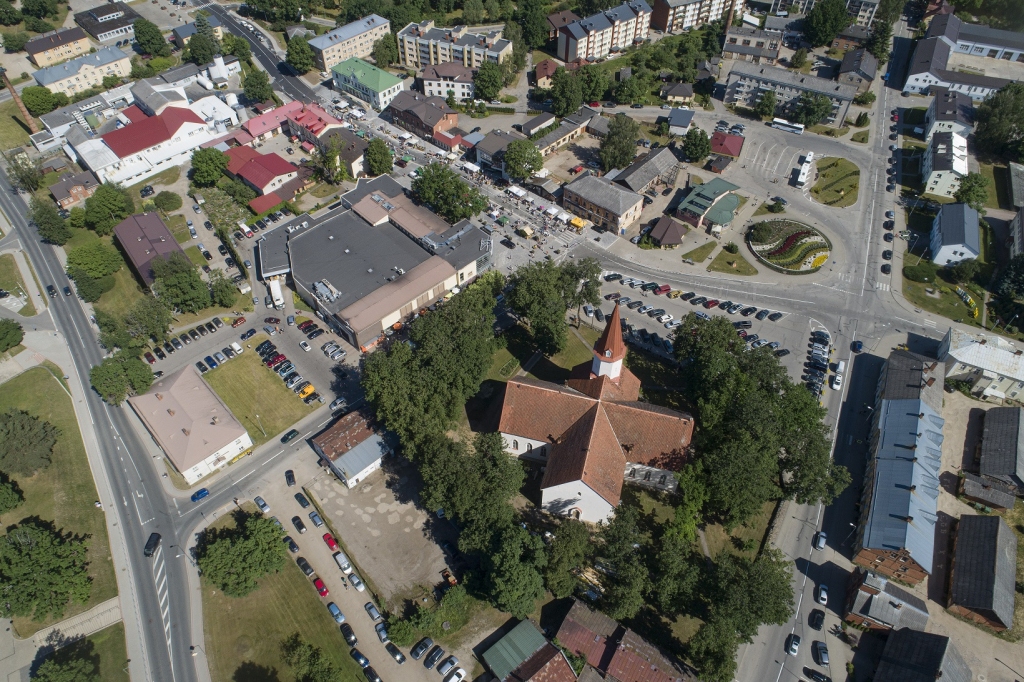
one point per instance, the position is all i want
(556, 368)
(948, 304)
(10, 280)
(732, 263)
(324, 190)
(763, 210)
(124, 295)
(184, 320)
(63, 492)
(248, 388)
(829, 131)
(14, 131)
(744, 540)
(838, 182)
(196, 256)
(243, 636)
(158, 181)
(701, 252)
(107, 648)
(178, 225)
(861, 136)
(998, 180)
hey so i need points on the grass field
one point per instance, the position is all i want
(701, 252)
(248, 388)
(10, 280)
(763, 210)
(196, 256)
(107, 648)
(558, 366)
(243, 636)
(184, 320)
(997, 178)
(14, 131)
(828, 131)
(732, 263)
(178, 225)
(838, 182)
(126, 289)
(744, 540)
(63, 492)
(861, 136)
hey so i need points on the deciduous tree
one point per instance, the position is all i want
(49, 224)
(385, 51)
(825, 20)
(812, 108)
(514, 571)
(256, 86)
(696, 145)
(965, 271)
(522, 159)
(799, 58)
(235, 559)
(42, 571)
(14, 41)
(566, 92)
(63, 669)
(108, 206)
(1000, 123)
(542, 292)
(618, 551)
(593, 82)
(765, 107)
(379, 160)
(488, 80)
(38, 100)
(973, 191)
(308, 661)
(26, 442)
(222, 291)
(619, 146)
(443, 190)
(631, 90)
(208, 165)
(147, 319)
(179, 285)
(11, 496)
(118, 375)
(201, 50)
(24, 173)
(300, 56)
(473, 12)
(95, 259)
(167, 201)
(567, 553)
(151, 39)
(532, 16)
(9, 17)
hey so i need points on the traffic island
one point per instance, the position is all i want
(788, 246)
(838, 182)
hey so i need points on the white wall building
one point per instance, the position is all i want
(944, 164)
(955, 235)
(992, 365)
(610, 31)
(949, 112)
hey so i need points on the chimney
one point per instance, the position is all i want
(931, 380)
(921, 416)
(913, 488)
(909, 519)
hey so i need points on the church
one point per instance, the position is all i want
(592, 434)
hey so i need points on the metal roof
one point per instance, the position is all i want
(347, 32)
(509, 652)
(892, 605)
(1017, 184)
(913, 656)
(1002, 443)
(102, 57)
(602, 193)
(985, 567)
(958, 224)
(793, 79)
(645, 169)
(992, 353)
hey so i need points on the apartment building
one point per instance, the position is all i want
(752, 45)
(862, 11)
(351, 40)
(610, 206)
(955, 235)
(944, 164)
(747, 82)
(673, 16)
(949, 112)
(606, 32)
(57, 46)
(367, 82)
(439, 79)
(420, 45)
(85, 72)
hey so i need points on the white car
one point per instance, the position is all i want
(304, 346)
(823, 594)
(673, 324)
(457, 675)
(667, 317)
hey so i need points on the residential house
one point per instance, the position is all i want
(74, 188)
(677, 93)
(352, 447)
(422, 115)
(353, 40)
(366, 82)
(182, 34)
(351, 149)
(859, 68)
(309, 123)
(719, 164)
(896, 532)
(955, 235)
(113, 21)
(747, 82)
(144, 238)
(1001, 455)
(191, 424)
(87, 71)
(944, 164)
(950, 112)
(983, 574)
(709, 70)
(557, 21)
(544, 71)
(450, 140)
(609, 206)
(264, 173)
(591, 433)
(525, 655)
(679, 121)
(992, 365)
(928, 69)
(727, 144)
(271, 121)
(667, 232)
(752, 45)
(658, 165)
(876, 603)
(711, 205)
(915, 656)
(55, 47)
(851, 37)
(601, 34)
(538, 123)
(440, 79)
(420, 45)
(674, 16)
(491, 150)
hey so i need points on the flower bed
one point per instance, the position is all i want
(788, 246)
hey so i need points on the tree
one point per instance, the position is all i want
(973, 191)
(300, 56)
(208, 165)
(631, 90)
(812, 107)
(62, 669)
(9, 17)
(522, 159)
(825, 20)
(167, 201)
(379, 160)
(675, 573)
(619, 146)
(42, 570)
(619, 552)
(222, 291)
(39, 8)
(26, 442)
(799, 58)
(514, 571)
(151, 39)
(14, 41)
(38, 100)
(237, 190)
(118, 375)
(49, 224)
(201, 50)
(256, 86)
(24, 173)
(11, 334)
(96, 259)
(593, 83)
(1011, 283)
(862, 120)
(864, 99)
(493, 8)
(542, 292)
(203, 28)
(965, 271)
(308, 661)
(473, 12)
(878, 41)
(385, 51)
(532, 16)
(696, 145)
(566, 554)
(566, 92)
(109, 205)
(179, 285)
(11, 496)
(1000, 123)
(765, 107)
(77, 218)
(441, 188)
(235, 559)
(238, 46)
(147, 319)
(488, 80)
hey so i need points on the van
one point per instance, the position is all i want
(237, 348)
(841, 367)
(306, 391)
(151, 544)
(343, 562)
(246, 230)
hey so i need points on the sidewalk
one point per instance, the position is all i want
(84, 624)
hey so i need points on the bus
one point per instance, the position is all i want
(783, 124)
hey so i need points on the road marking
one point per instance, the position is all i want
(929, 323)
(280, 453)
(881, 286)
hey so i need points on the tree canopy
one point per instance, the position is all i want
(208, 166)
(201, 49)
(568, 552)
(119, 375)
(522, 159)
(696, 145)
(167, 201)
(812, 108)
(300, 55)
(95, 259)
(26, 442)
(973, 191)
(11, 334)
(765, 106)
(825, 20)
(49, 224)
(543, 291)
(39, 100)
(307, 661)
(514, 571)
(488, 80)
(1000, 123)
(1011, 282)
(379, 160)
(385, 51)
(235, 559)
(618, 148)
(179, 285)
(151, 39)
(108, 206)
(566, 92)
(42, 570)
(256, 86)
(446, 193)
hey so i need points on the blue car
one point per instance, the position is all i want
(339, 617)
(249, 333)
(200, 494)
(210, 362)
(858, 346)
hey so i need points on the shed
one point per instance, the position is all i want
(987, 491)
(668, 232)
(514, 649)
(984, 569)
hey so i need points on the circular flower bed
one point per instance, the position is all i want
(788, 246)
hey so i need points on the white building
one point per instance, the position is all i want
(190, 423)
(944, 164)
(352, 447)
(956, 234)
(949, 112)
(601, 34)
(673, 16)
(439, 79)
(366, 82)
(85, 72)
(992, 365)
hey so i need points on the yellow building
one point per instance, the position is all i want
(85, 72)
(351, 40)
(57, 46)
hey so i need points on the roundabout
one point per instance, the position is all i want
(789, 246)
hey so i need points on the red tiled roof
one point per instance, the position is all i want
(263, 168)
(238, 157)
(134, 114)
(545, 69)
(546, 665)
(313, 118)
(149, 132)
(265, 202)
(539, 409)
(588, 452)
(723, 143)
(610, 347)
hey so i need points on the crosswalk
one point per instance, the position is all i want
(881, 286)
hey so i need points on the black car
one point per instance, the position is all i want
(636, 106)
(193, 334)
(421, 648)
(742, 324)
(299, 525)
(289, 478)
(292, 547)
(210, 328)
(248, 334)
(301, 499)
(782, 352)
(687, 296)
(761, 314)
(395, 653)
(208, 225)
(222, 250)
(887, 255)
(359, 658)
(436, 655)
(817, 619)
(747, 312)
(203, 331)
(67, 291)
(203, 369)
(304, 565)
(886, 269)
(349, 634)
(888, 236)
(775, 317)
(315, 334)
(51, 290)
(218, 323)
(371, 675)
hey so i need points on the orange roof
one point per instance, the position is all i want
(610, 347)
(587, 452)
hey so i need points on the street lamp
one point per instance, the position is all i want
(261, 425)
(853, 526)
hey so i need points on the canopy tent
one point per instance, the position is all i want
(405, 136)
(472, 168)
(552, 211)
(452, 157)
(577, 222)
(517, 191)
(564, 217)
(502, 220)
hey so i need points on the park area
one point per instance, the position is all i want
(788, 246)
(838, 182)
(256, 395)
(11, 282)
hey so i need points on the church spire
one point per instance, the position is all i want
(610, 349)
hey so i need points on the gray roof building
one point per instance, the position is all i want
(988, 491)
(677, 91)
(189, 30)
(384, 185)
(950, 105)
(951, 28)
(352, 446)
(144, 238)
(794, 79)
(957, 223)
(1002, 445)
(879, 602)
(680, 118)
(1017, 184)
(859, 62)
(645, 170)
(273, 246)
(151, 100)
(603, 193)
(98, 59)
(54, 39)
(538, 123)
(984, 571)
(347, 32)
(110, 21)
(914, 656)
(87, 180)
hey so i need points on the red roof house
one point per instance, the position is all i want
(726, 144)
(265, 203)
(150, 131)
(263, 172)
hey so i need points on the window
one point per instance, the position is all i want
(515, 444)
(529, 447)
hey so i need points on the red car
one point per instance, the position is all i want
(271, 320)
(149, 358)
(594, 104)
(305, 325)
(331, 544)
(742, 333)
(278, 357)
(711, 304)
(320, 587)
(239, 321)
(614, 296)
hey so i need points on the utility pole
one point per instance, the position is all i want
(17, 99)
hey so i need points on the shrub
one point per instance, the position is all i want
(731, 247)
(776, 207)
(918, 273)
(11, 335)
(167, 201)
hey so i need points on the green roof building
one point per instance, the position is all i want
(509, 652)
(366, 82)
(711, 204)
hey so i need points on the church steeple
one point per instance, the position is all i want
(610, 349)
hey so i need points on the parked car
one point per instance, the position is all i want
(336, 613)
(304, 566)
(382, 632)
(421, 648)
(433, 657)
(264, 507)
(292, 547)
(395, 653)
(301, 499)
(321, 588)
(349, 634)
(299, 525)
(819, 540)
(793, 644)
(372, 612)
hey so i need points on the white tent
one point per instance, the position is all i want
(517, 191)
(405, 136)
(564, 217)
(553, 210)
(472, 168)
